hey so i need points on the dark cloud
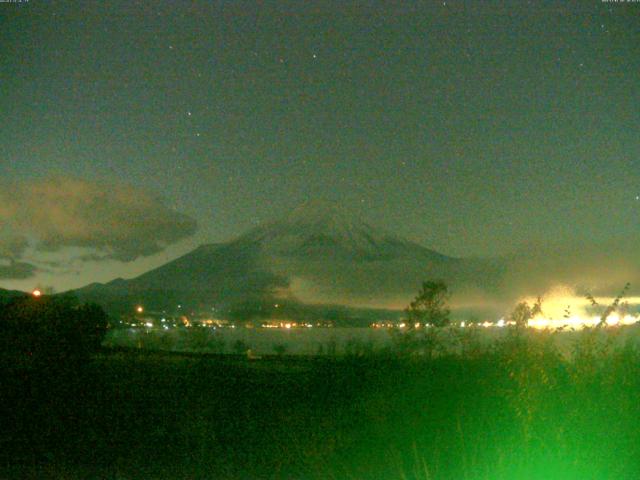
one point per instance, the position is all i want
(117, 221)
(17, 270)
(11, 246)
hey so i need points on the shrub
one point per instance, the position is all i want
(280, 349)
(240, 347)
(49, 331)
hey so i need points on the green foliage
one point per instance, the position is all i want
(240, 347)
(355, 347)
(466, 342)
(514, 409)
(327, 348)
(523, 312)
(425, 316)
(48, 331)
(47, 348)
(537, 307)
(415, 342)
(199, 338)
(616, 306)
(217, 344)
(280, 349)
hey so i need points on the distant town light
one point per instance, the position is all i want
(139, 309)
(36, 293)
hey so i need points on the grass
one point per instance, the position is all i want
(514, 410)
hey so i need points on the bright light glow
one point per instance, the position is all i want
(562, 308)
(556, 301)
(36, 293)
(577, 322)
(139, 309)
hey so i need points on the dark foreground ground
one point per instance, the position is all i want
(514, 412)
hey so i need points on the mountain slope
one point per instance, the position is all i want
(7, 295)
(316, 254)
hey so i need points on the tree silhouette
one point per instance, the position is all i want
(521, 314)
(616, 306)
(430, 305)
(50, 331)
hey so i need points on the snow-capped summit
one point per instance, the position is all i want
(323, 229)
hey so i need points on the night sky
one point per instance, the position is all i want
(135, 131)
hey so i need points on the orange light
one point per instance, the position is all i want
(139, 309)
(36, 293)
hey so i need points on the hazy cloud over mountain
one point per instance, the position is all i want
(113, 221)
(11, 246)
(17, 270)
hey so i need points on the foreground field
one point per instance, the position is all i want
(518, 410)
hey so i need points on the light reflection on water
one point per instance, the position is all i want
(307, 341)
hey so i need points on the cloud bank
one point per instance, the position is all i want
(114, 221)
(17, 270)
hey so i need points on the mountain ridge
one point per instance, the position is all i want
(315, 254)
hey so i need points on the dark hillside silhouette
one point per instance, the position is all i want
(46, 351)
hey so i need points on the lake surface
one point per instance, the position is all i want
(318, 341)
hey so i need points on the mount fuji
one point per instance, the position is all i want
(316, 255)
